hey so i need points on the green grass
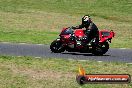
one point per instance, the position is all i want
(45, 17)
(40, 21)
(100, 8)
(27, 72)
(26, 36)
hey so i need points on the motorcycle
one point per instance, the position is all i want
(68, 42)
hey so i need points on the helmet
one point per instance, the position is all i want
(86, 20)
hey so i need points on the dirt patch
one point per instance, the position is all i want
(37, 73)
(36, 21)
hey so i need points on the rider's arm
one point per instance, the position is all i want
(78, 27)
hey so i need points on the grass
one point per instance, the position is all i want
(27, 36)
(27, 21)
(28, 72)
(40, 21)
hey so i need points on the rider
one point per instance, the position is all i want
(91, 29)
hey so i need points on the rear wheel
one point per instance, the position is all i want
(100, 49)
(56, 47)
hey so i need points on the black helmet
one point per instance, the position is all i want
(86, 20)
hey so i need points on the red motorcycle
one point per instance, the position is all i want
(68, 42)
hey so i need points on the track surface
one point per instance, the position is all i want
(10, 49)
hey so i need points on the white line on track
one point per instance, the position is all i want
(20, 43)
(100, 61)
(42, 44)
(128, 63)
(122, 48)
(38, 57)
(5, 42)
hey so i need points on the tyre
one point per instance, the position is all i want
(100, 49)
(105, 47)
(56, 46)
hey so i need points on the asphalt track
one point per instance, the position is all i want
(38, 50)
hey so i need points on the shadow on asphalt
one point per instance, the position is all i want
(83, 54)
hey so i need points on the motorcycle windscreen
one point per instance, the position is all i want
(67, 31)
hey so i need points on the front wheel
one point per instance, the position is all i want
(100, 49)
(56, 46)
